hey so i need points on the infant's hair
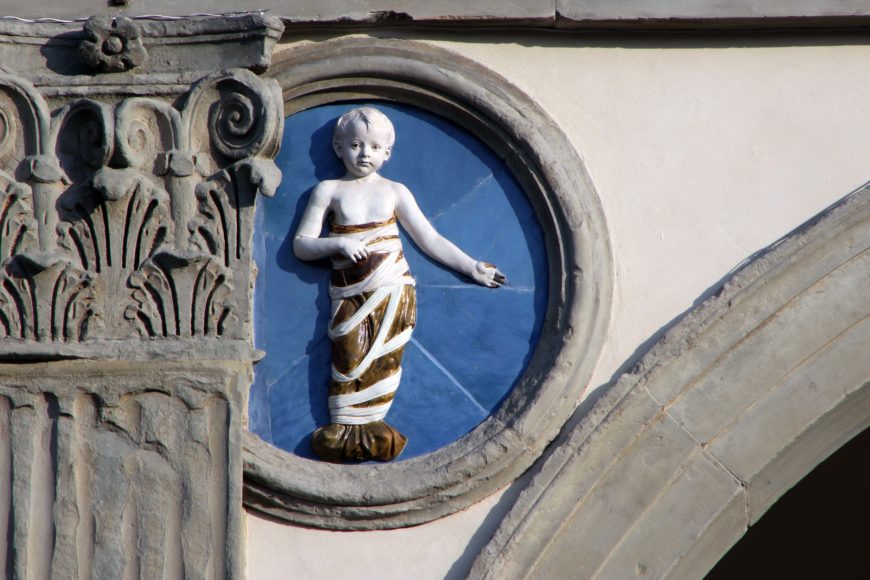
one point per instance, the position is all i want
(368, 115)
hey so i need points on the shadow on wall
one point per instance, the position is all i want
(630, 364)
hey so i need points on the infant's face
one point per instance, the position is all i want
(363, 150)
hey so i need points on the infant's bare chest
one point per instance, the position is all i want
(360, 208)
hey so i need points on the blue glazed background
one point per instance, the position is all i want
(471, 344)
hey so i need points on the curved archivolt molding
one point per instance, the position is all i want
(738, 402)
(542, 160)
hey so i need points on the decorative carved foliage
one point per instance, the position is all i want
(111, 223)
(17, 226)
(182, 295)
(217, 229)
(131, 467)
(45, 300)
(117, 222)
(112, 226)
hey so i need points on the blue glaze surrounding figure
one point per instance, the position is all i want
(471, 344)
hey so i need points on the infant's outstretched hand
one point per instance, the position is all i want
(487, 274)
(353, 249)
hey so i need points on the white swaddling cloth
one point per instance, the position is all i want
(381, 239)
(386, 282)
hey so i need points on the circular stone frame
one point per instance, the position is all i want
(503, 446)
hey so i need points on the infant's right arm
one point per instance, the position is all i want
(308, 245)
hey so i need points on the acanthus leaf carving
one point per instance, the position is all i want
(116, 221)
(263, 175)
(43, 298)
(216, 227)
(184, 295)
(146, 204)
(98, 179)
(17, 225)
(114, 224)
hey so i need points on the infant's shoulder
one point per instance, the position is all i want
(394, 187)
(327, 185)
(325, 191)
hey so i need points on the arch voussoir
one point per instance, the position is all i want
(744, 397)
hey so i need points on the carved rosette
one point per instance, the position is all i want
(112, 44)
(133, 218)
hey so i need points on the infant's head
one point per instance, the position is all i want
(363, 140)
(368, 116)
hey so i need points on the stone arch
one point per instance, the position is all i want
(739, 401)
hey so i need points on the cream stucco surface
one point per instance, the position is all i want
(440, 549)
(702, 152)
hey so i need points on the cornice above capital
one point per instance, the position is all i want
(99, 55)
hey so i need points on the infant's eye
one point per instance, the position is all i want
(376, 147)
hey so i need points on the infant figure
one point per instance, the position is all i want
(371, 287)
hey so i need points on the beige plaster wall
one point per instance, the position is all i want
(702, 151)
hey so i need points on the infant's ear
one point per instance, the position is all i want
(336, 146)
(387, 153)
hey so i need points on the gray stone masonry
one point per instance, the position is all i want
(552, 14)
(739, 400)
(131, 153)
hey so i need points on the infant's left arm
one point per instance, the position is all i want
(439, 247)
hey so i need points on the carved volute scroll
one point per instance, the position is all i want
(131, 153)
(133, 218)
